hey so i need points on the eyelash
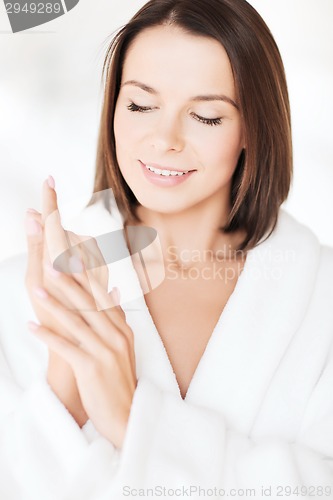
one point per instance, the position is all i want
(207, 121)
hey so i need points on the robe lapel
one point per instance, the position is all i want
(258, 323)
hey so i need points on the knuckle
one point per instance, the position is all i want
(76, 321)
(92, 367)
(129, 333)
(121, 343)
(108, 357)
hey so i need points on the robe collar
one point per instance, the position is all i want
(253, 332)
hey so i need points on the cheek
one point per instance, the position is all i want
(127, 134)
(126, 141)
(119, 126)
(220, 150)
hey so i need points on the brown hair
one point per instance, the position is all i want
(263, 175)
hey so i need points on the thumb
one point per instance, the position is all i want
(34, 233)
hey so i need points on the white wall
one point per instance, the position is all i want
(50, 97)
(303, 31)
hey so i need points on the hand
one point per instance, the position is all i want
(99, 347)
(60, 375)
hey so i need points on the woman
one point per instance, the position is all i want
(218, 382)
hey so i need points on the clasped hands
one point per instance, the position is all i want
(91, 365)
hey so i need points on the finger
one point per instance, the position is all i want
(56, 239)
(49, 198)
(109, 302)
(34, 234)
(79, 330)
(36, 216)
(87, 249)
(115, 314)
(69, 351)
(95, 283)
(110, 327)
(62, 244)
(77, 274)
(33, 211)
(87, 244)
(33, 214)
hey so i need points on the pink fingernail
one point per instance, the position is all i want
(41, 293)
(32, 211)
(32, 227)
(51, 182)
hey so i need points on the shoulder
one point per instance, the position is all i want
(307, 263)
(319, 265)
(301, 235)
(295, 231)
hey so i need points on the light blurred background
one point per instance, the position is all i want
(50, 99)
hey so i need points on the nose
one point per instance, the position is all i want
(168, 135)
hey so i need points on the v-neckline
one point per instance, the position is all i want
(211, 340)
(258, 321)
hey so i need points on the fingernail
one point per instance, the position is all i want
(51, 271)
(32, 325)
(75, 264)
(51, 182)
(32, 227)
(41, 293)
(32, 211)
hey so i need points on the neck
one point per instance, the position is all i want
(193, 235)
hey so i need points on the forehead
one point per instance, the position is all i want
(166, 57)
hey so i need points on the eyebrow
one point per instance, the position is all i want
(208, 97)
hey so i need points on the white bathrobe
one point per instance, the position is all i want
(258, 413)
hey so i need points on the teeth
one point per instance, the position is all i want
(165, 172)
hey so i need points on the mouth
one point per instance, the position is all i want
(165, 171)
(164, 177)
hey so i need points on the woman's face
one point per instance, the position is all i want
(175, 111)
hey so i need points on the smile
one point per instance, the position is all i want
(164, 177)
(165, 172)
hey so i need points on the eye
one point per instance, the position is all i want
(207, 121)
(141, 109)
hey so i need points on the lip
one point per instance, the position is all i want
(164, 181)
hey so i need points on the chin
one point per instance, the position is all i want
(157, 204)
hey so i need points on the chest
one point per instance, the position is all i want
(185, 311)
